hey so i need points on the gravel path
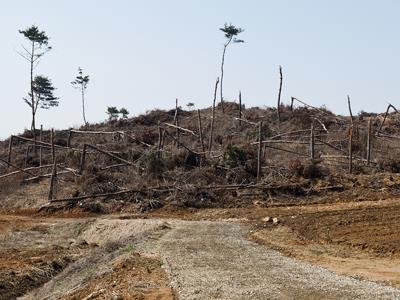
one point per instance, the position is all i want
(214, 260)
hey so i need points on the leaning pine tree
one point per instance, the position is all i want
(230, 32)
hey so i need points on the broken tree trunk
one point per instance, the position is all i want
(279, 94)
(176, 119)
(369, 142)
(10, 145)
(53, 150)
(16, 167)
(200, 132)
(259, 151)
(386, 114)
(159, 140)
(351, 149)
(41, 148)
(240, 110)
(312, 142)
(83, 158)
(210, 142)
(53, 181)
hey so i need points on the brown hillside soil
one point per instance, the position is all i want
(33, 250)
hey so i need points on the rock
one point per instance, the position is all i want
(275, 221)
(267, 219)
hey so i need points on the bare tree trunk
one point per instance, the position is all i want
(279, 94)
(351, 113)
(210, 142)
(351, 149)
(10, 149)
(53, 181)
(83, 159)
(41, 148)
(240, 110)
(83, 105)
(369, 142)
(201, 132)
(312, 142)
(259, 151)
(176, 119)
(222, 72)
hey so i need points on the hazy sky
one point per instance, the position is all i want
(143, 54)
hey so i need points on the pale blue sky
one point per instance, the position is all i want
(143, 54)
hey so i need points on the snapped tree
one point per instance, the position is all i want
(81, 81)
(42, 94)
(230, 32)
(38, 46)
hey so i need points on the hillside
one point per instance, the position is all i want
(155, 160)
(118, 208)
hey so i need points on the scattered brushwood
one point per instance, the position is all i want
(176, 156)
(229, 107)
(155, 116)
(195, 197)
(308, 170)
(96, 181)
(389, 165)
(95, 207)
(150, 204)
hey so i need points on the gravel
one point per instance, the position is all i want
(214, 260)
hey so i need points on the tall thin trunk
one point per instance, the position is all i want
(83, 105)
(222, 72)
(279, 94)
(32, 94)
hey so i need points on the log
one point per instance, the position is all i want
(248, 122)
(181, 128)
(158, 189)
(16, 167)
(44, 143)
(285, 150)
(23, 170)
(109, 154)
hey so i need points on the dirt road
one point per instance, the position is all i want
(215, 260)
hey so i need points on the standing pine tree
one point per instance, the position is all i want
(230, 32)
(81, 83)
(42, 93)
(38, 46)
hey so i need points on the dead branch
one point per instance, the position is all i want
(182, 129)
